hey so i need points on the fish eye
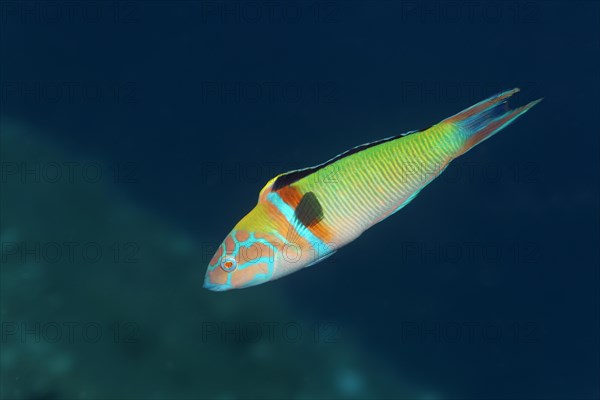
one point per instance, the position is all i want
(228, 264)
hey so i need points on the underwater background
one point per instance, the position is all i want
(134, 135)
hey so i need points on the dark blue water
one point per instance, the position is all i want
(486, 286)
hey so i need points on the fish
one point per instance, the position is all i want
(306, 215)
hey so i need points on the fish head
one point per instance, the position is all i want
(244, 259)
(263, 246)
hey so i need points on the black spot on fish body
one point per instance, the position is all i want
(309, 211)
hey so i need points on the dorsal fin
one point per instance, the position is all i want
(288, 178)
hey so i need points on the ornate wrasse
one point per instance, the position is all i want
(305, 215)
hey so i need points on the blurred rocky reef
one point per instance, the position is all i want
(101, 299)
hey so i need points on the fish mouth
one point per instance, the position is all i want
(215, 287)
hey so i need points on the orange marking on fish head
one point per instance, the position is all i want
(243, 259)
(217, 257)
(229, 244)
(290, 195)
(242, 236)
(216, 277)
(249, 273)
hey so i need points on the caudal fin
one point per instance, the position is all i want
(484, 119)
